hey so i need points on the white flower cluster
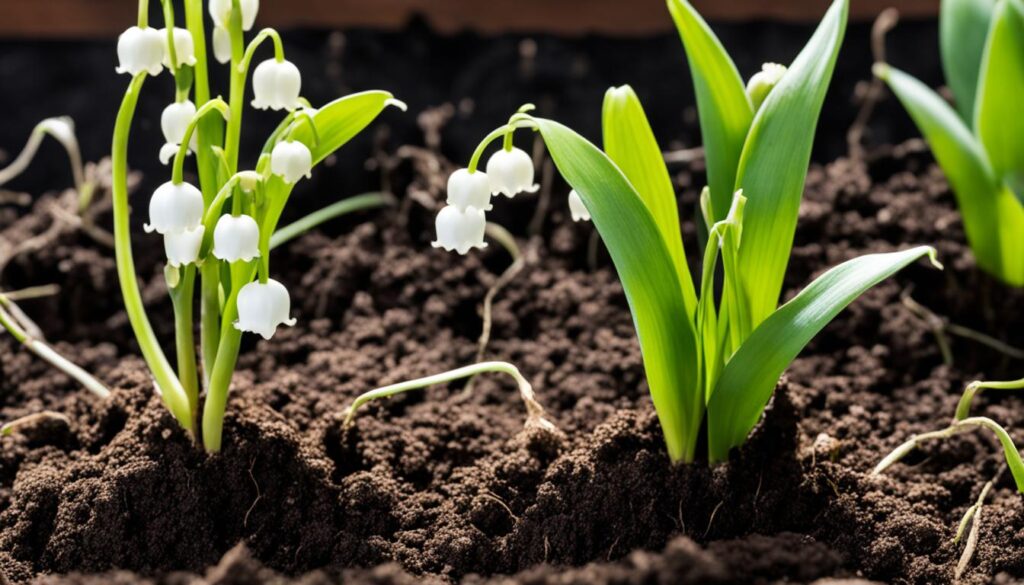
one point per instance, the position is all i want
(460, 224)
(146, 50)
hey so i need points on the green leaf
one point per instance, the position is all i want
(993, 218)
(999, 114)
(630, 143)
(336, 209)
(722, 104)
(341, 120)
(773, 165)
(963, 28)
(649, 279)
(748, 380)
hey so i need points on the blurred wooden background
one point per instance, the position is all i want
(103, 18)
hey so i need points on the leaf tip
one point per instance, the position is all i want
(881, 71)
(933, 257)
(393, 101)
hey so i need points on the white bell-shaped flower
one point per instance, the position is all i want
(576, 208)
(184, 48)
(276, 85)
(511, 172)
(174, 123)
(467, 189)
(762, 82)
(236, 238)
(140, 50)
(460, 230)
(220, 12)
(262, 307)
(221, 44)
(175, 209)
(183, 247)
(292, 160)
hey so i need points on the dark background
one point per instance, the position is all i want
(486, 77)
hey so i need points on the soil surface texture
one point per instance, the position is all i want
(446, 485)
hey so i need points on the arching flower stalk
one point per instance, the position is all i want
(217, 230)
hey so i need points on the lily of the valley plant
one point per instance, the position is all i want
(218, 234)
(980, 143)
(715, 357)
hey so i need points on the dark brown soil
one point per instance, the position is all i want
(443, 487)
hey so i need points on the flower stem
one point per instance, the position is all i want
(171, 390)
(237, 87)
(184, 337)
(267, 33)
(220, 378)
(47, 353)
(535, 412)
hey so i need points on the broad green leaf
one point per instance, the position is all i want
(336, 124)
(341, 120)
(749, 378)
(963, 28)
(722, 104)
(773, 165)
(992, 217)
(999, 120)
(630, 143)
(648, 276)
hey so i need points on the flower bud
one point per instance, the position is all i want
(220, 12)
(183, 247)
(184, 49)
(762, 82)
(276, 85)
(576, 208)
(467, 189)
(175, 209)
(221, 44)
(262, 307)
(292, 160)
(139, 50)
(511, 172)
(460, 230)
(236, 238)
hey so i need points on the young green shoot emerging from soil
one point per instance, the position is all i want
(963, 422)
(980, 143)
(534, 411)
(12, 318)
(219, 235)
(717, 354)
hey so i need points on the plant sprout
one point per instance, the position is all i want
(218, 235)
(963, 422)
(717, 355)
(980, 143)
(28, 334)
(535, 416)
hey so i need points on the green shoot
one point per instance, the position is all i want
(26, 334)
(980, 144)
(535, 416)
(962, 421)
(711, 356)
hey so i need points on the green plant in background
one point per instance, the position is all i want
(714, 354)
(220, 233)
(980, 143)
